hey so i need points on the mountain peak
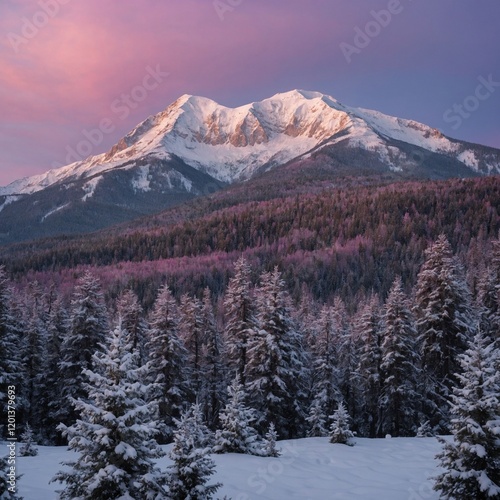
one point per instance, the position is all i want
(189, 102)
(298, 94)
(306, 95)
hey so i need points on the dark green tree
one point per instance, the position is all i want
(471, 460)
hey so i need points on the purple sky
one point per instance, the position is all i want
(67, 66)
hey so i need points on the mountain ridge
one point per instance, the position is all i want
(196, 146)
(212, 124)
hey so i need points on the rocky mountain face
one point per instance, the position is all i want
(196, 146)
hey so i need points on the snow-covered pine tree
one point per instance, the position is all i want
(241, 321)
(50, 399)
(5, 492)
(203, 437)
(340, 430)
(189, 474)
(28, 448)
(444, 321)
(348, 357)
(275, 368)
(269, 448)
(86, 333)
(425, 430)
(167, 367)
(33, 347)
(305, 316)
(213, 366)
(10, 342)
(399, 396)
(488, 295)
(115, 432)
(133, 323)
(316, 420)
(325, 374)
(236, 434)
(488, 302)
(191, 332)
(472, 458)
(368, 324)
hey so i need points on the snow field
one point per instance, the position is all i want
(308, 469)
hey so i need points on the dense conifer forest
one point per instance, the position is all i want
(349, 242)
(391, 358)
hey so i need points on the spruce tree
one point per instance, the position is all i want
(472, 458)
(236, 434)
(192, 334)
(316, 420)
(340, 430)
(10, 343)
(133, 323)
(28, 448)
(8, 491)
(168, 359)
(368, 325)
(275, 369)
(488, 302)
(192, 466)
(85, 334)
(399, 397)
(115, 432)
(444, 321)
(348, 357)
(213, 367)
(269, 448)
(203, 437)
(488, 295)
(325, 373)
(425, 430)
(306, 316)
(51, 400)
(241, 321)
(33, 347)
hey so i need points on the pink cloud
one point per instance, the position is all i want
(91, 52)
(66, 77)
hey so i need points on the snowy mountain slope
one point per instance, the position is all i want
(233, 143)
(97, 198)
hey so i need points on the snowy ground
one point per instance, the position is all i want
(309, 469)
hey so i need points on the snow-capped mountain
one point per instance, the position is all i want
(231, 144)
(196, 142)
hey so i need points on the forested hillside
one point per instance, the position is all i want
(345, 241)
